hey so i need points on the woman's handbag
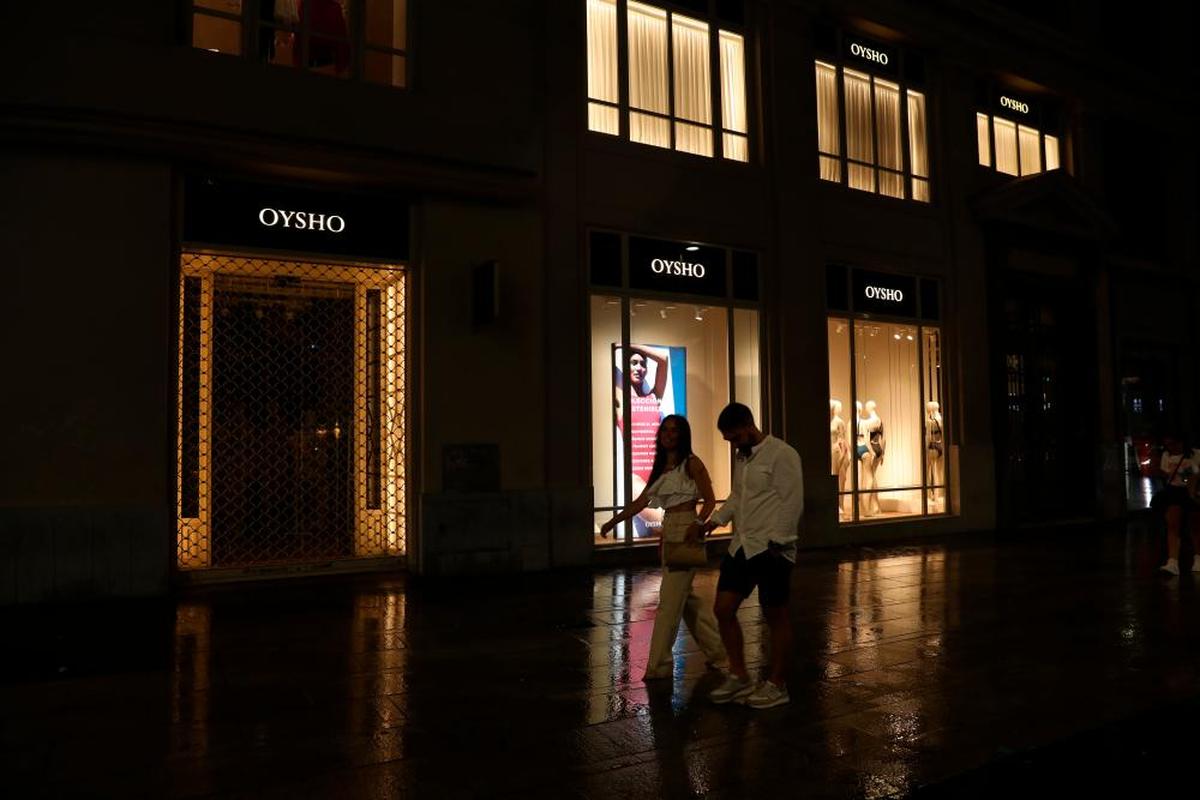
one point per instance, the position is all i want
(685, 555)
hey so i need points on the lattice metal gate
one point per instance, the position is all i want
(292, 412)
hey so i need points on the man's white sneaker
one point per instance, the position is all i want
(734, 688)
(1172, 566)
(768, 695)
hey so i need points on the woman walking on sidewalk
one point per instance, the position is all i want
(678, 481)
(1180, 467)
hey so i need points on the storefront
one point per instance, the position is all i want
(891, 452)
(292, 380)
(675, 329)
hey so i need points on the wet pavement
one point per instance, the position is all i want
(965, 667)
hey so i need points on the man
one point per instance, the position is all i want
(765, 507)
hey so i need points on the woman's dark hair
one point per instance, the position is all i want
(682, 452)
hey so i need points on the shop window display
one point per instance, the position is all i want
(888, 442)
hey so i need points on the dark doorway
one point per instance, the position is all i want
(1047, 348)
(282, 420)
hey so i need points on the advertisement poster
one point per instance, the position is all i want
(657, 378)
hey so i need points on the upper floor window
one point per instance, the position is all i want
(1013, 139)
(871, 130)
(676, 93)
(364, 39)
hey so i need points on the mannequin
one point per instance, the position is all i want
(934, 447)
(870, 452)
(839, 453)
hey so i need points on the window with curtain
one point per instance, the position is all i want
(871, 133)
(356, 39)
(1014, 148)
(686, 80)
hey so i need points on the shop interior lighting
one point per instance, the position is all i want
(692, 248)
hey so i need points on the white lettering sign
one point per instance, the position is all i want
(301, 220)
(880, 293)
(660, 266)
(877, 56)
(1015, 105)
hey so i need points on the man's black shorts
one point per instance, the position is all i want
(770, 571)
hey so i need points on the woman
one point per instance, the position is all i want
(1180, 465)
(678, 480)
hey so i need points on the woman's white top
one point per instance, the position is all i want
(1189, 467)
(673, 488)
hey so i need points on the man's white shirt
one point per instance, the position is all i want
(767, 499)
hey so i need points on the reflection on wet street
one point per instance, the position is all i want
(914, 664)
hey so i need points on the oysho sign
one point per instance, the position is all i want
(882, 293)
(1015, 105)
(301, 220)
(868, 53)
(661, 266)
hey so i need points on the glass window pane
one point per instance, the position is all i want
(935, 429)
(1031, 150)
(386, 68)
(693, 87)
(647, 129)
(831, 169)
(685, 370)
(918, 147)
(648, 58)
(329, 56)
(216, 34)
(1052, 152)
(859, 144)
(387, 23)
(920, 190)
(985, 147)
(1005, 133)
(891, 184)
(695, 139)
(888, 435)
(602, 51)
(279, 47)
(861, 177)
(733, 83)
(604, 119)
(827, 110)
(887, 125)
(747, 377)
(606, 404)
(280, 12)
(736, 148)
(841, 415)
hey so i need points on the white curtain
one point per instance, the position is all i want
(985, 145)
(696, 139)
(887, 124)
(735, 147)
(1005, 136)
(647, 58)
(918, 137)
(693, 87)
(827, 109)
(602, 50)
(1052, 152)
(858, 117)
(1031, 150)
(733, 82)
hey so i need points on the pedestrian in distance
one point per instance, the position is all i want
(765, 507)
(1180, 468)
(678, 481)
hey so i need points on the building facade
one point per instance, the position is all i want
(328, 285)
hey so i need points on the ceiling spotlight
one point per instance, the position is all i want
(896, 336)
(691, 248)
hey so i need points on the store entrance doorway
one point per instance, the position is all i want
(291, 413)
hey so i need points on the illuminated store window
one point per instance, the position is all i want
(1013, 139)
(871, 130)
(887, 407)
(670, 98)
(669, 338)
(320, 36)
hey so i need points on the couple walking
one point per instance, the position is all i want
(765, 507)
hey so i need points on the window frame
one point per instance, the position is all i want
(904, 88)
(717, 128)
(356, 39)
(1040, 128)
